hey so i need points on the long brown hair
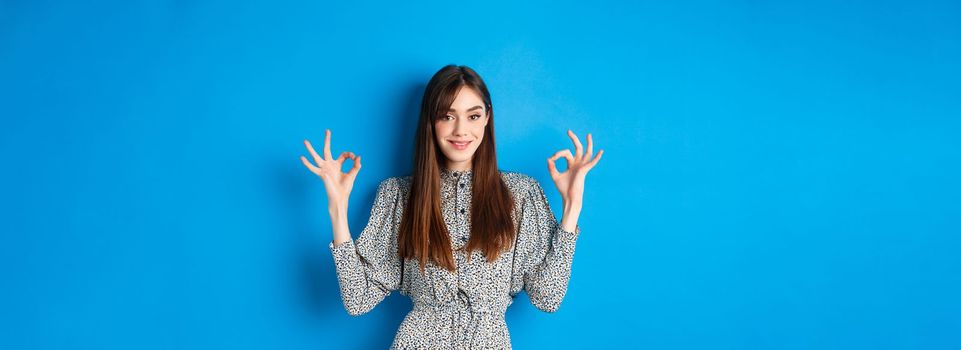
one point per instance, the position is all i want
(423, 233)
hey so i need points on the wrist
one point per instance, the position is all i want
(571, 208)
(337, 210)
(571, 211)
(569, 224)
(340, 228)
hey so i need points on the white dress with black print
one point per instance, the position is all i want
(463, 309)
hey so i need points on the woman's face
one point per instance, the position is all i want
(461, 131)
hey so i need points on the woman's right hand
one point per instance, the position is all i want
(337, 184)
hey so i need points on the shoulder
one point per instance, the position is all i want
(394, 181)
(393, 185)
(519, 182)
(402, 182)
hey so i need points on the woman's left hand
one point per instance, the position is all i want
(571, 182)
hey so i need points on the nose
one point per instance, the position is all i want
(460, 127)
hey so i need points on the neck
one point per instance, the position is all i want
(465, 166)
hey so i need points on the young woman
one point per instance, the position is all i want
(458, 236)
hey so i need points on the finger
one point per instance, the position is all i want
(312, 168)
(352, 156)
(312, 152)
(355, 169)
(590, 147)
(551, 168)
(566, 153)
(596, 159)
(327, 154)
(577, 143)
(344, 155)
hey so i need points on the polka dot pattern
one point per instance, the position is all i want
(463, 309)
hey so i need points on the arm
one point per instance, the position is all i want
(550, 249)
(546, 282)
(369, 268)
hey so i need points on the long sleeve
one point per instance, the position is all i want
(369, 268)
(547, 251)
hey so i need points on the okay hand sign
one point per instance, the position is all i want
(337, 184)
(571, 182)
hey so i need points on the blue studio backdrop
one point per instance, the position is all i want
(775, 175)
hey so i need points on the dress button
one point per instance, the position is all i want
(461, 185)
(461, 210)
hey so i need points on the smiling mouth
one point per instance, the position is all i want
(460, 145)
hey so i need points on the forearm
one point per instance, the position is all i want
(361, 286)
(338, 221)
(547, 284)
(358, 291)
(571, 213)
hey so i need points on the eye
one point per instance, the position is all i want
(446, 117)
(475, 115)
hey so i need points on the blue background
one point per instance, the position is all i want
(775, 175)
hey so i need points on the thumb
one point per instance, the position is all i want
(355, 169)
(551, 167)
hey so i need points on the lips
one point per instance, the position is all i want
(459, 145)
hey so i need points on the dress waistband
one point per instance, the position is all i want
(462, 301)
(467, 315)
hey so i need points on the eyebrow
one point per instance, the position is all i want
(469, 109)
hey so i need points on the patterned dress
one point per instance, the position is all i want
(462, 309)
